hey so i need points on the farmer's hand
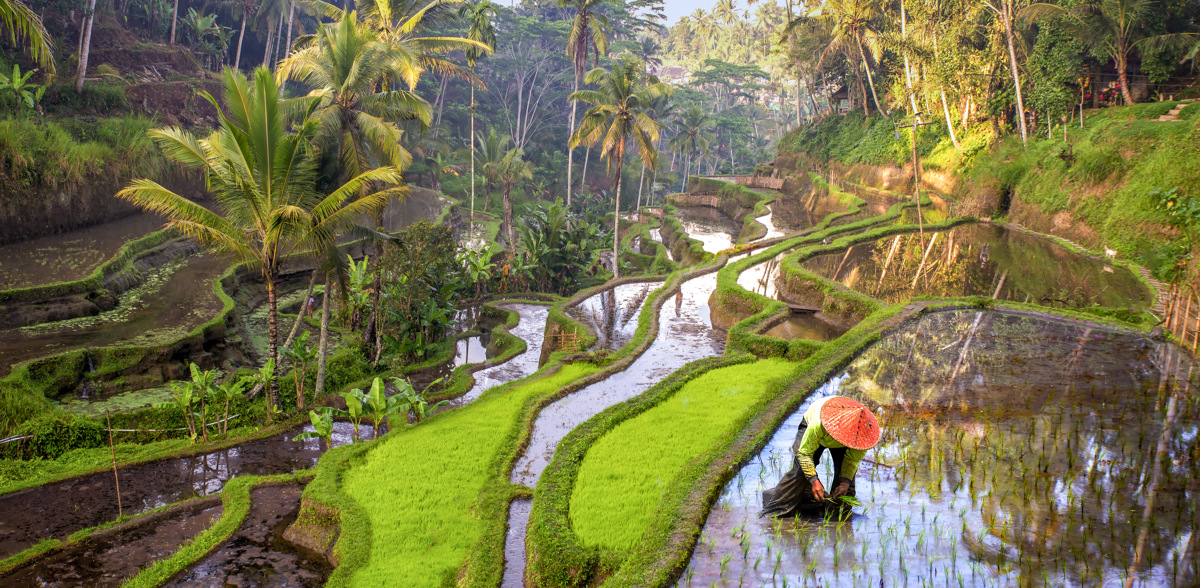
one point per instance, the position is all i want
(818, 490)
(840, 488)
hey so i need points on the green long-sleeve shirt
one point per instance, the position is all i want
(815, 437)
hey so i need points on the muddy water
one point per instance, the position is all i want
(1016, 451)
(69, 256)
(531, 329)
(685, 334)
(107, 560)
(59, 509)
(760, 278)
(612, 314)
(806, 326)
(980, 259)
(171, 302)
(656, 234)
(712, 228)
(514, 543)
(258, 555)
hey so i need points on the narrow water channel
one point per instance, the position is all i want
(685, 334)
(531, 329)
(1016, 451)
(612, 314)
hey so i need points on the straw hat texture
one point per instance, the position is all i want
(850, 423)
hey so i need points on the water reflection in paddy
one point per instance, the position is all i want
(1016, 451)
(980, 259)
(612, 314)
(714, 229)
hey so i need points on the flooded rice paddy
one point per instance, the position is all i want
(258, 555)
(108, 558)
(980, 259)
(612, 314)
(58, 509)
(685, 334)
(715, 230)
(530, 329)
(1017, 451)
(69, 256)
(171, 302)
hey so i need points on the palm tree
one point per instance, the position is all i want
(347, 63)
(694, 136)
(618, 114)
(24, 25)
(511, 168)
(239, 10)
(853, 27)
(263, 176)
(492, 148)
(587, 34)
(1114, 27)
(479, 28)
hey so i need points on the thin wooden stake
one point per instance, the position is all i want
(112, 449)
(1187, 309)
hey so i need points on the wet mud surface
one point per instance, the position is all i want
(69, 256)
(61, 508)
(111, 557)
(172, 302)
(806, 326)
(612, 314)
(1016, 451)
(980, 259)
(715, 230)
(258, 555)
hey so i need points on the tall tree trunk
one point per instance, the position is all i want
(509, 233)
(287, 45)
(1012, 64)
(174, 17)
(270, 44)
(473, 158)
(312, 282)
(272, 343)
(912, 98)
(949, 123)
(871, 81)
(237, 60)
(570, 151)
(441, 99)
(323, 349)
(583, 173)
(798, 102)
(86, 46)
(617, 217)
(1122, 75)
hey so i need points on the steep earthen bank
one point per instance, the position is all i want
(47, 211)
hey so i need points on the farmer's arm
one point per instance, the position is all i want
(808, 447)
(851, 461)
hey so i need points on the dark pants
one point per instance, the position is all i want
(793, 494)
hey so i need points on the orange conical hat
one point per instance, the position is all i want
(850, 423)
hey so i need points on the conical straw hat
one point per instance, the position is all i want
(850, 423)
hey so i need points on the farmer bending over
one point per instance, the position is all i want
(843, 426)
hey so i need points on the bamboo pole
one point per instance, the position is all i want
(113, 450)
(1000, 285)
(1187, 309)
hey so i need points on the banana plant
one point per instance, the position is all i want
(301, 354)
(383, 406)
(19, 88)
(227, 393)
(356, 401)
(202, 382)
(322, 422)
(417, 405)
(184, 397)
(263, 380)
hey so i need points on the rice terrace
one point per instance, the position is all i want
(581, 293)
